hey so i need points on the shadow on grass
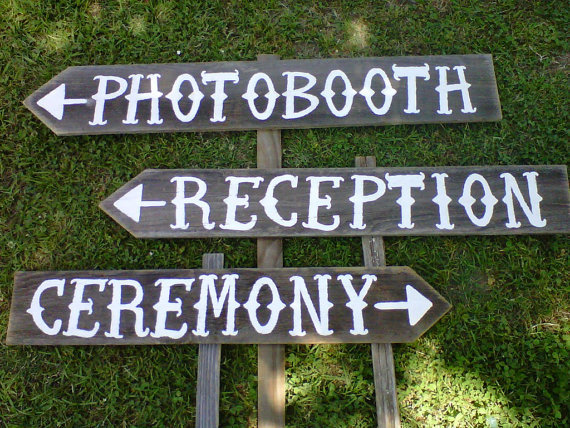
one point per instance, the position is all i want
(499, 358)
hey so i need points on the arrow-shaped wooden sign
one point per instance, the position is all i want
(308, 305)
(268, 94)
(343, 201)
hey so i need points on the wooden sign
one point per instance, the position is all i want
(268, 94)
(349, 201)
(310, 305)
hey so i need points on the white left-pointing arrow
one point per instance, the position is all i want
(416, 304)
(131, 203)
(55, 101)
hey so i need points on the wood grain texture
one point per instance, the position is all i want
(66, 117)
(270, 358)
(93, 304)
(387, 411)
(382, 216)
(209, 354)
(271, 386)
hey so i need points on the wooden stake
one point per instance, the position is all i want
(208, 389)
(270, 358)
(387, 410)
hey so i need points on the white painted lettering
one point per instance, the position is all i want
(208, 287)
(195, 96)
(135, 96)
(276, 305)
(321, 322)
(406, 183)
(116, 307)
(102, 96)
(164, 305)
(367, 92)
(291, 93)
(251, 95)
(219, 95)
(36, 308)
(411, 74)
(348, 93)
(78, 305)
(356, 302)
(269, 202)
(444, 89)
(233, 201)
(180, 201)
(359, 198)
(512, 188)
(315, 202)
(488, 200)
(442, 201)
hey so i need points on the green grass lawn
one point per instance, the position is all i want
(499, 358)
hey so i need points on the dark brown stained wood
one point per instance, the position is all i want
(39, 316)
(270, 358)
(95, 99)
(147, 206)
(209, 354)
(387, 411)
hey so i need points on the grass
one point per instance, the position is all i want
(499, 358)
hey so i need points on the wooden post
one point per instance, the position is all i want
(208, 389)
(387, 410)
(270, 358)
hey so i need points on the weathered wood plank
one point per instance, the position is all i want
(209, 354)
(267, 306)
(478, 200)
(243, 95)
(271, 386)
(270, 358)
(387, 411)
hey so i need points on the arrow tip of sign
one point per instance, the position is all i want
(53, 102)
(130, 203)
(31, 105)
(418, 305)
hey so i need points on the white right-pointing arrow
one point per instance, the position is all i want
(416, 304)
(131, 203)
(54, 101)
